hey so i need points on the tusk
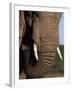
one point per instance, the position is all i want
(36, 54)
(59, 53)
(35, 51)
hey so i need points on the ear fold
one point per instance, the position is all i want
(22, 26)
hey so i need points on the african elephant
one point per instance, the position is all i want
(45, 34)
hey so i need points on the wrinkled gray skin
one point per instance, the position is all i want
(46, 37)
(22, 26)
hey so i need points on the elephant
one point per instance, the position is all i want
(43, 28)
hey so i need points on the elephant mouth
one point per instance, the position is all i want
(32, 53)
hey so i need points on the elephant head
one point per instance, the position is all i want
(45, 35)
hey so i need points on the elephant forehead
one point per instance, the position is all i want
(49, 14)
(48, 23)
(48, 27)
(52, 17)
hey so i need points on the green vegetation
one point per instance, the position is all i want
(59, 64)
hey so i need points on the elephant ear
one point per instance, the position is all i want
(22, 26)
(58, 16)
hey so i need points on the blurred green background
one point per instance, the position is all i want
(59, 64)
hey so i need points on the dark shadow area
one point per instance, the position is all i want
(27, 41)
